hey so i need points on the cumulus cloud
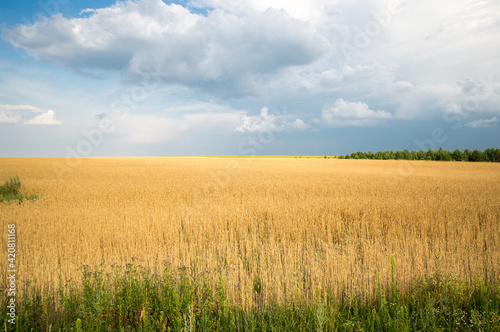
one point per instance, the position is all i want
(221, 53)
(232, 49)
(304, 10)
(482, 123)
(47, 118)
(16, 114)
(420, 68)
(346, 114)
(270, 122)
(329, 77)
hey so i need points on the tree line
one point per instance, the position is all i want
(491, 155)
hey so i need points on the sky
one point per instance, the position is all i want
(254, 77)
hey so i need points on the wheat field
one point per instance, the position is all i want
(288, 228)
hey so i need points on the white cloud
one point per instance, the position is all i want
(420, 62)
(402, 87)
(270, 122)
(47, 118)
(423, 101)
(481, 94)
(413, 67)
(224, 53)
(16, 113)
(8, 117)
(482, 123)
(304, 10)
(346, 114)
(13, 108)
(431, 101)
(330, 77)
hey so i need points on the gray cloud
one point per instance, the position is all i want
(222, 53)
(271, 49)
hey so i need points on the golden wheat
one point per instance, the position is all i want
(286, 227)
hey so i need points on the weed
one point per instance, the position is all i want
(10, 191)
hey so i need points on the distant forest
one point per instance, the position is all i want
(492, 155)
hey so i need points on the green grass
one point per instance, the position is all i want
(132, 298)
(10, 191)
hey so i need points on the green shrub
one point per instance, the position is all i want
(11, 186)
(11, 191)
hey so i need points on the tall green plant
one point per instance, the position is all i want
(11, 191)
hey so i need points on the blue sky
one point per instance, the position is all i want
(228, 77)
